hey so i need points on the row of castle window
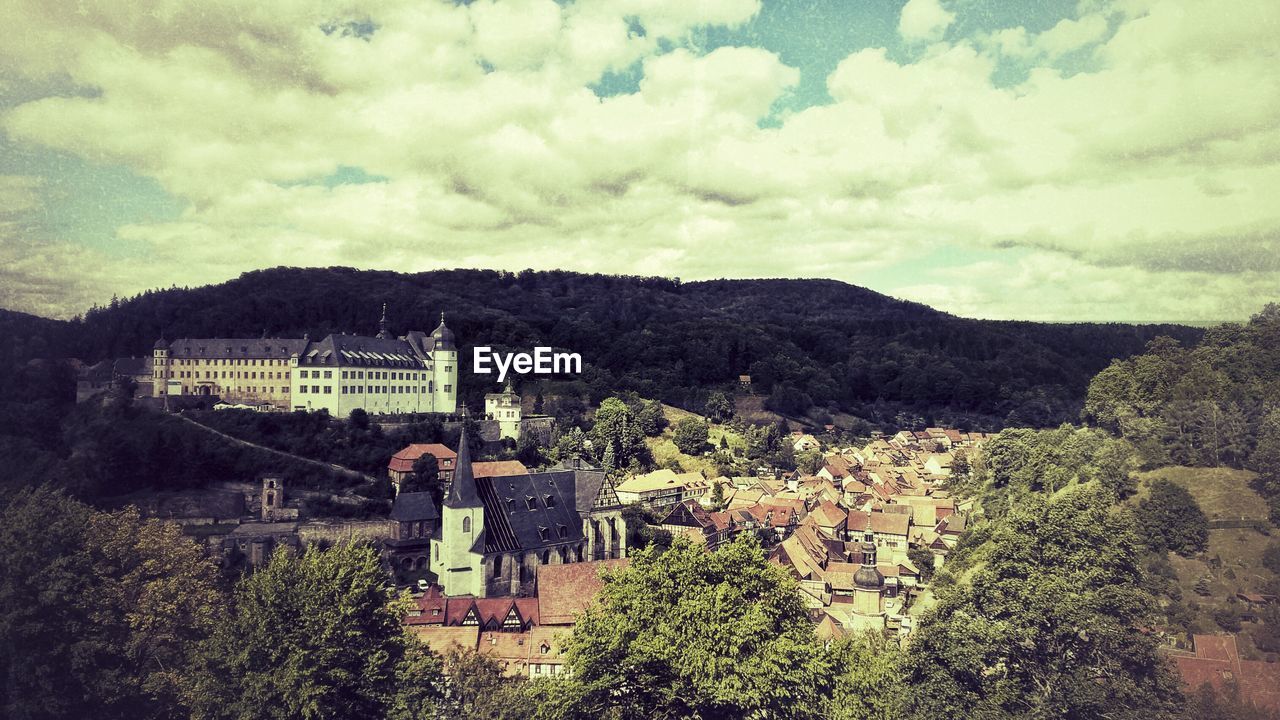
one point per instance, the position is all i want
(229, 361)
(360, 374)
(371, 389)
(210, 374)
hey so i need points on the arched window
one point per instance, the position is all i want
(497, 566)
(546, 556)
(466, 524)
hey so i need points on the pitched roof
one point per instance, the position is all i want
(659, 480)
(530, 511)
(462, 491)
(887, 523)
(829, 514)
(403, 461)
(363, 351)
(221, 348)
(498, 468)
(566, 590)
(413, 506)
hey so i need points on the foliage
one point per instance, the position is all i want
(99, 612)
(869, 684)
(616, 438)
(810, 462)
(315, 636)
(1203, 405)
(1170, 519)
(719, 406)
(922, 558)
(691, 633)
(691, 435)
(1019, 461)
(1049, 626)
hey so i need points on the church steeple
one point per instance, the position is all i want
(382, 324)
(462, 491)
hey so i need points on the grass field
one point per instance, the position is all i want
(1234, 558)
(664, 449)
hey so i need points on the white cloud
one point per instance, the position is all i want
(924, 20)
(496, 152)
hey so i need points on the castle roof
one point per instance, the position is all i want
(362, 351)
(226, 348)
(443, 336)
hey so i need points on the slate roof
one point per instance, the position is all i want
(414, 506)
(462, 491)
(529, 511)
(222, 348)
(362, 351)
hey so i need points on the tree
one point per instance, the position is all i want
(1049, 625)
(717, 495)
(810, 462)
(99, 612)
(922, 558)
(425, 477)
(359, 419)
(1170, 519)
(869, 684)
(616, 438)
(691, 633)
(316, 635)
(719, 406)
(651, 418)
(691, 435)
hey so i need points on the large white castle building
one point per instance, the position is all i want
(414, 373)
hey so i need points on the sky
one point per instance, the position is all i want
(1057, 161)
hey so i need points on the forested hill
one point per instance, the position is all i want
(804, 342)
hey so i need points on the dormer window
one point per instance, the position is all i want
(550, 500)
(545, 648)
(544, 534)
(564, 531)
(532, 502)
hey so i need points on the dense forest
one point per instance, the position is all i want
(807, 344)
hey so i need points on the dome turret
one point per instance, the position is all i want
(443, 336)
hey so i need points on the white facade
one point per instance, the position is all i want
(504, 407)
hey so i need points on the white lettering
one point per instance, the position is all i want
(572, 363)
(480, 356)
(542, 361)
(503, 366)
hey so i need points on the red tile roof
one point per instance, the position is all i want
(1217, 662)
(498, 468)
(403, 461)
(566, 590)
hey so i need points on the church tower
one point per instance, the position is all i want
(458, 555)
(444, 357)
(160, 368)
(868, 583)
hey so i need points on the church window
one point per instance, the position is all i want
(497, 566)
(466, 524)
(546, 556)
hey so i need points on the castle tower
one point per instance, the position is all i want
(458, 556)
(444, 357)
(160, 368)
(868, 583)
(272, 498)
(504, 407)
(382, 324)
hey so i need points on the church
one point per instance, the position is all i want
(495, 532)
(385, 374)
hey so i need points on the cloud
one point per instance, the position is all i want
(1137, 151)
(924, 20)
